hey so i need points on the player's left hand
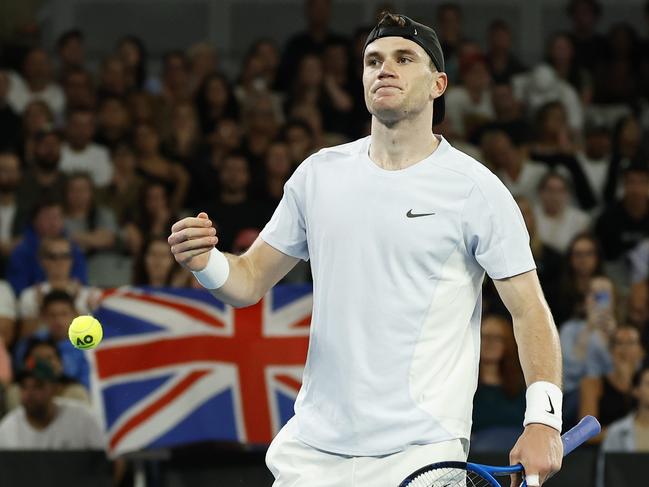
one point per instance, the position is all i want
(540, 450)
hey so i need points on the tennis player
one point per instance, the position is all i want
(400, 228)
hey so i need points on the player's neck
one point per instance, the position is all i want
(401, 145)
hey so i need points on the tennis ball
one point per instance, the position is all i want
(85, 332)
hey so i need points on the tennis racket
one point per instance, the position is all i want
(462, 474)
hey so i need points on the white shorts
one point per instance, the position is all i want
(296, 464)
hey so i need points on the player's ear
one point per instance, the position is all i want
(439, 84)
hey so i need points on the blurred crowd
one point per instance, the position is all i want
(95, 166)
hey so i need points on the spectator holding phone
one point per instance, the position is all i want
(585, 343)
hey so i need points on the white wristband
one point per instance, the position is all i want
(215, 273)
(544, 401)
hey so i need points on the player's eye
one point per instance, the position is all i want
(404, 60)
(372, 62)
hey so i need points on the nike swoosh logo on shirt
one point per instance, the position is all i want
(551, 411)
(410, 214)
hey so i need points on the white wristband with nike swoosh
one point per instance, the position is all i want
(544, 401)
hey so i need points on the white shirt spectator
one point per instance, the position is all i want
(459, 106)
(558, 232)
(94, 160)
(527, 183)
(73, 428)
(30, 299)
(639, 259)
(542, 85)
(20, 95)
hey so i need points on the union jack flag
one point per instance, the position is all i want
(177, 366)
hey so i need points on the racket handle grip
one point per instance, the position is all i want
(586, 429)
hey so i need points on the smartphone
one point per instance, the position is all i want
(603, 299)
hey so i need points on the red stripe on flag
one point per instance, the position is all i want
(151, 409)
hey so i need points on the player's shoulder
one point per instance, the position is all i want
(468, 168)
(338, 152)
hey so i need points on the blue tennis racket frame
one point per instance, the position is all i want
(587, 428)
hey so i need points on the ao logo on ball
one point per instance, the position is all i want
(85, 342)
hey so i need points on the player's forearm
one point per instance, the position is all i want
(239, 289)
(538, 343)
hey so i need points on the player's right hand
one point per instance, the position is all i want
(191, 241)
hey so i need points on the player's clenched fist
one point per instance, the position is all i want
(191, 241)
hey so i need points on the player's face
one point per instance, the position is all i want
(398, 80)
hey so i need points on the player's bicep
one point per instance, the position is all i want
(267, 265)
(521, 293)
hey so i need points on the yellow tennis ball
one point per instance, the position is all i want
(85, 332)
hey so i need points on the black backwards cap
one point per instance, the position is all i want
(426, 38)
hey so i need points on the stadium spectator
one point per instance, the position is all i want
(508, 116)
(261, 121)
(628, 148)
(619, 63)
(557, 219)
(122, 195)
(502, 62)
(509, 162)
(625, 223)
(499, 401)
(449, 27)
(234, 209)
(94, 229)
(132, 52)
(589, 44)
(44, 422)
(56, 313)
(24, 268)
(37, 118)
(631, 434)
(114, 123)
(300, 139)
(55, 256)
(277, 168)
(71, 52)
(80, 153)
(203, 61)
(561, 56)
(469, 105)
(215, 100)
(45, 349)
(583, 262)
(36, 83)
(153, 166)
(153, 216)
(609, 397)
(79, 89)
(113, 80)
(184, 141)
(258, 72)
(639, 261)
(594, 158)
(154, 265)
(43, 178)
(585, 343)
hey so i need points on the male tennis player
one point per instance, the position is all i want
(400, 228)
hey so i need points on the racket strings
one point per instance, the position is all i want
(449, 477)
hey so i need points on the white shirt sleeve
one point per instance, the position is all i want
(494, 229)
(286, 230)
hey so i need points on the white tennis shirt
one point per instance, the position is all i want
(398, 259)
